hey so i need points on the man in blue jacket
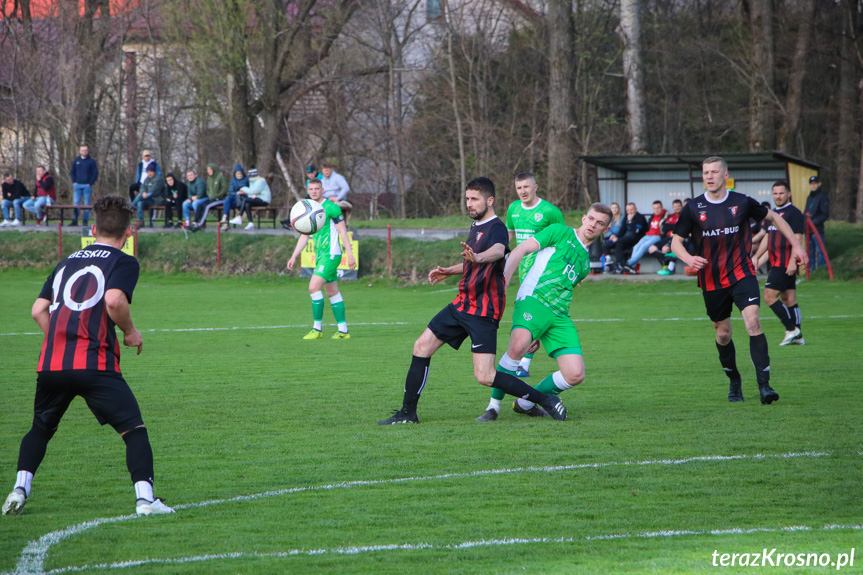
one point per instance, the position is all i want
(818, 210)
(84, 174)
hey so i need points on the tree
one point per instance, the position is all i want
(633, 74)
(761, 132)
(560, 153)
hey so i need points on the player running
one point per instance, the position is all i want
(328, 256)
(84, 299)
(543, 301)
(476, 311)
(524, 218)
(719, 223)
(781, 282)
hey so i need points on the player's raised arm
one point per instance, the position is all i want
(798, 256)
(512, 262)
(301, 243)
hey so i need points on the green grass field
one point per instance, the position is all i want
(268, 447)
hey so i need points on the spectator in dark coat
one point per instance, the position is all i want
(818, 210)
(14, 194)
(632, 229)
(84, 174)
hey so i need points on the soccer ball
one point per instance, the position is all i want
(308, 216)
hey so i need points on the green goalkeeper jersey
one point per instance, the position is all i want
(327, 238)
(560, 264)
(526, 222)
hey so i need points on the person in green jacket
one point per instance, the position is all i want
(217, 189)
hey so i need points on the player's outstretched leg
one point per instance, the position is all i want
(338, 306)
(415, 382)
(761, 361)
(728, 360)
(514, 386)
(506, 365)
(139, 462)
(553, 384)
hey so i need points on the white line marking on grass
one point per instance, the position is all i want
(32, 560)
(305, 325)
(454, 547)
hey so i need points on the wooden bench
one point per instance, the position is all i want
(268, 214)
(47, 210)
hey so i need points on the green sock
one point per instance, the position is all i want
(547, 386)
(528, 356)
(338, 310)
(318, 309)
(496, 393)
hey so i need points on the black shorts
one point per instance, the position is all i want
(778, 280)
(107, 395)
(452, 326)
(743, 294)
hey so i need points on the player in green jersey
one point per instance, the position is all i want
(328, 255)
(524, 218)
(541, 311)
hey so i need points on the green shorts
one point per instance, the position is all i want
(328, 268)
(557, 334)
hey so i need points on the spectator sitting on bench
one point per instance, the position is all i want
(650, 238)
(197, 198)
(215, 190)
(662, 250)
(611, 234)
(256, 194)
(14, 195)
(177, 193)
(232, 201)
(631, 231)
(153, 193)
(45, 195)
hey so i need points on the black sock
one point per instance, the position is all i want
(760, 358)
(794, 310)
(139, 455)
(514, 386)
(415, 382)
(728, 360)
(33, 447)
(782, 313)
(660, 257)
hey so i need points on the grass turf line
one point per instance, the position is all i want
(238, 412)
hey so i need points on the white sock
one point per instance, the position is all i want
(525, 404)
(559, 381)
(343, 327)
(671, 265)
(144, 490)
(508, 363)
(23, 480)
(525, 363)
(494, 404)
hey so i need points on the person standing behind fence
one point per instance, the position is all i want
(84, 174)
(818, 210)
(45, 194)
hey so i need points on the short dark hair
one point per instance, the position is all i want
(482, 185)
(601, 208)
(113, 214)
(7, 175)
(677, 201)
(314, 181)
(657, 202)
(782, 183)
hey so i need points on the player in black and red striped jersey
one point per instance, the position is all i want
(84, 299)
(475, 312)
(718, 222)
(781, 283)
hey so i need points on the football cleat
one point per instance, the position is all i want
(554, 407)
(799, 341)
(340, 335)
(768, 395)
(15, 502)
(314, 334)
(521, 372)
(489, 415)
(534, 411)
(790, 336)
(664, 272)
(735, 393)
(400, 416)
(144, 507)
